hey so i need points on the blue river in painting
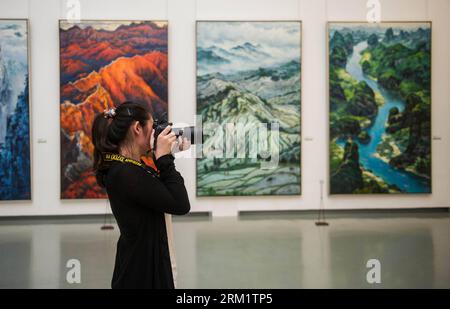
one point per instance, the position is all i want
(406, 181)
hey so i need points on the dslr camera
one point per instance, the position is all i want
(193, 134)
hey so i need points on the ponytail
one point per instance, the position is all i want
(109, 131)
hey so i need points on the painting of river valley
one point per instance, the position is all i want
(380, 107)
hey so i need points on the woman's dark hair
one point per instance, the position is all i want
(110, 129)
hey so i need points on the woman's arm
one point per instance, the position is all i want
(166, 194)
(173, 180)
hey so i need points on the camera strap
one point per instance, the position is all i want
(111, 157)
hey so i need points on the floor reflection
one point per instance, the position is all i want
(15, 260)
(249, 256)
(264, 251)
(406, 258)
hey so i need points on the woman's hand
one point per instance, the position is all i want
(165, 142)
(181, 144)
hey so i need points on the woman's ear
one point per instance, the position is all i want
(136, 128)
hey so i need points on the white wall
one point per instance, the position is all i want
(181, 14)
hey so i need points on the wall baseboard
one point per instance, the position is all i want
(243, 215)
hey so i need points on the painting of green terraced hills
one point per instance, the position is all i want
(249, 98)
(380, 107)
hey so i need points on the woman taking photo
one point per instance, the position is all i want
(139, 195)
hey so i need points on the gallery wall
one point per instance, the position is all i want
(43, 17)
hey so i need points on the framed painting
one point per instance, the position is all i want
(249, 100)
(15, 159)
(103, 64)
(379, 107)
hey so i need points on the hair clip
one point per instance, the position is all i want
(110, 113)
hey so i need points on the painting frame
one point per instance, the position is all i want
(300, 41)
(165, 21)
(328, 110)
(30, 118)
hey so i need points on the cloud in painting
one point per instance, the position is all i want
(229, 47)
(12, 40)
(14, 59)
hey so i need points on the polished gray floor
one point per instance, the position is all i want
(270, 250)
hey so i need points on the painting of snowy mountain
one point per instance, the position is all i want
(249, 99)
(14, 111)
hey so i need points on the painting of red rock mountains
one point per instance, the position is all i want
(103, 64)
